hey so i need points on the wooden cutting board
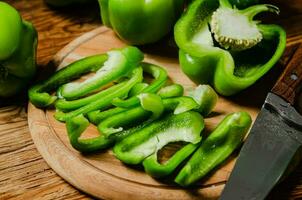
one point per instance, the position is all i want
(101, 174)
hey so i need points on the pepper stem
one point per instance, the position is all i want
(252, 11)
(225, 4)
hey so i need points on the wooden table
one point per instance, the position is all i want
(23, 172)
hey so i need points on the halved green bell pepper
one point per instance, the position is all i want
(141, 22)
(225, 47)
(18, 43)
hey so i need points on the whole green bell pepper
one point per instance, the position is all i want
(231, 58)
(227, 136)
(141, 22)
(18, 43)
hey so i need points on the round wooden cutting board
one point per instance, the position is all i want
(101, 174)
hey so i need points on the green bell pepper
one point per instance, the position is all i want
(60, 3)
(141, 22)
(230, 58)
(18, 43)
(146, 141)
(228, 135)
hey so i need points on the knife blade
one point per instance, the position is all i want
(274, 140)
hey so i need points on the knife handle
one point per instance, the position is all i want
(290, 82)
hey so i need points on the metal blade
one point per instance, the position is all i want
(273, 141)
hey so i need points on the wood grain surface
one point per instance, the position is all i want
(289, 84)
(23, 172)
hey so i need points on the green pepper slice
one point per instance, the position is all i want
(206, 97)
(75, 127)
(157, 170)
(39, 94)
(119, 63)
(160, 77)
(227, 136)
(146, 141)
(105, 102)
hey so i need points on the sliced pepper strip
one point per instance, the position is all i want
(182, 127)
(137, 89)
(39, 95)
(104, 102)
(153, 103)
(180, 104)
(115, 123)
(157, 170)
(150, 104)
(75, 127)
(97, 116)
(174, 90)
(65, 106)
(206, 97)
(228, 135)
(160, 76)
(120, 62)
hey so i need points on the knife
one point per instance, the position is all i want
(274, 140)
